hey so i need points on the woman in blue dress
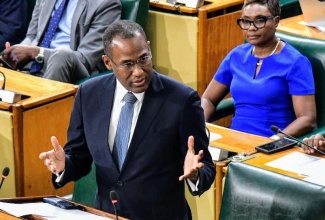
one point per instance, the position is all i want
(270, 81)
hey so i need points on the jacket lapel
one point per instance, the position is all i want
(103, 111)
(76, 16)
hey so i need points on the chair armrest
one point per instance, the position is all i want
(92, 76)
(225, 108)
(320, 130)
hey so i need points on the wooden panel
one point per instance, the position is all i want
(218, 35)
(223, 35)
(39, 124)
(8, 188)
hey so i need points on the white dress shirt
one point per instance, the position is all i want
(62, 36)
(119, 102)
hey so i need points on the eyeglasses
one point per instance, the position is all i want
(257, 22)
(129, 66)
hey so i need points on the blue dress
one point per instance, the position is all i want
(265, 100)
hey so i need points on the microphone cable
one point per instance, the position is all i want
(4, 81)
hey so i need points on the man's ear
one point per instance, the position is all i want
(107, 62)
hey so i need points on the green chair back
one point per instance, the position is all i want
(290, 8)
(134, 10)
(84, 190)
(314, 50)
(254, 193)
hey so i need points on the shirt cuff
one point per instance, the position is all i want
(59, 177)
(193, 186)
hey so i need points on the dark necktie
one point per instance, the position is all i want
(50, 31)
(123, 129)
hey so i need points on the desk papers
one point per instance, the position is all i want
(47, 211)
(311, 167)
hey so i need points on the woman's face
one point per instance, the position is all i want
(263, 35)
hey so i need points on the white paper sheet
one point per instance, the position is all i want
(47, 211)
(312, 167)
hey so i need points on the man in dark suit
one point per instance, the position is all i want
(168, 142)
(75, 49)
(13, 21)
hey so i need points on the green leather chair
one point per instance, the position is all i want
(314, 50)
(254, 193)
(290, 8)
(85, 188)
(135, 10)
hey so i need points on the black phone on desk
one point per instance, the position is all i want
(276, 146)
(6, 64)
(61, 203)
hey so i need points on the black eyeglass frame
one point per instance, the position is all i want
(264, 18)
(129, 66)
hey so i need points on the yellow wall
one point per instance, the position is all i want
(8, 188)
(176, 39)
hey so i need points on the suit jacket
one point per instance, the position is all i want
(90, 20)
(148, 185)
(13, 21)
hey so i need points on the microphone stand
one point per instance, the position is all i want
(278, 130)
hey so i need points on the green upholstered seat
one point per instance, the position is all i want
(290, 8)
(134, 10)
(85, 188)
(254, 193)
(314, 50)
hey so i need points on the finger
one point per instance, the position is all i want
(42, 155)
(190, 143)
(7, 45)
(200, 155)
(55, 143)
(181, 178)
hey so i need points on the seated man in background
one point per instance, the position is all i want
(144, 131)
(270, 81)
(64, 45)
(13, 21)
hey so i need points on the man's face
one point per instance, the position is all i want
(131, 62)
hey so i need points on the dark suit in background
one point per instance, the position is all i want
(13, 21)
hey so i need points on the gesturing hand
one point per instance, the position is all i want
(192, 162)
(54, 159)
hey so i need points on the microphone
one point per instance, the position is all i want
(8, 95)
(113, 197)
(5, 173)
(278, 130)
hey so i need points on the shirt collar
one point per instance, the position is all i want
(120, 92)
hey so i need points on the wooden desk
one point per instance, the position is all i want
(25, 131)
(189, 44)
(293, 26)
(38, 199)
(243, 142)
